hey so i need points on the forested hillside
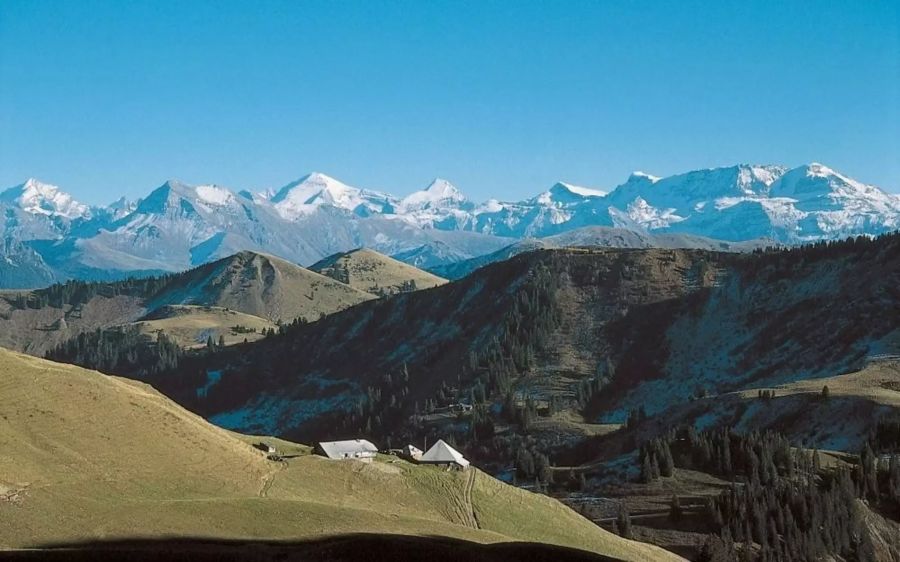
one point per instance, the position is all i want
(576, 357)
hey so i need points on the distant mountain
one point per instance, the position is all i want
(44, 199)
(375, 273)
(743, 202)
(602, 236)
(47, 233)
(311, 192)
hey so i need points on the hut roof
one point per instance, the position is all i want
(441, 452)
(348, 448)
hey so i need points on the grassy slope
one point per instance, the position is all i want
(86, 456)
(264, 286)
(255, 284)
(373, 272)
(857, 400)
(191, 325)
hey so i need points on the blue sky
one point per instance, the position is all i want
(502, 98)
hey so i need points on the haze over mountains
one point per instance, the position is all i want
(48, 236)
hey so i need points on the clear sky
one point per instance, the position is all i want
(501, 98)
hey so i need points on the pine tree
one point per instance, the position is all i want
(623, 522)
(675, 508)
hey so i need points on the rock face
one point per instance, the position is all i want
(47, 235)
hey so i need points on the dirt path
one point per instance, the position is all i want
(269, 479)
(467, 498)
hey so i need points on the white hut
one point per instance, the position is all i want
(443, 454)
(411, 452)
(358, 449)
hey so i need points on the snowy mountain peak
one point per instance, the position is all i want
(819, 170)
(304, 195)
(309, 193)
(638, 175)
(442, 188)
(40, 198)
(562, 187)
(122, 207)
(440, 194)
(214, 194)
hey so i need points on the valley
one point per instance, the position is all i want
(556, 370)
(85, 456)
(449, 281)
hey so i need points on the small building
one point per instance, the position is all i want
(265, 447)
(358, 449)
(443, 454)
(411, 452)
(460, 407)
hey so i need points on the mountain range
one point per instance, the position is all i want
(49, 236)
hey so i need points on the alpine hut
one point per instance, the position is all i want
(359, 449)
(411, 452)
(444, 455)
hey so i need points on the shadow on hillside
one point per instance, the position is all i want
(353, 548)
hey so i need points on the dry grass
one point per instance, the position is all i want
(879, 383)
(95, 457)
(265, 286)
(375, 273)
(190, 326)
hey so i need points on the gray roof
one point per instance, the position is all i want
(441, 453)
(348, 449)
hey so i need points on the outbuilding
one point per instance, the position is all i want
(359, 449)
(411, 452)
(443, 454)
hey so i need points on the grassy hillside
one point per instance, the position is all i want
(264, 286)
(375, 273)
(190, 325)
(255, 284)
(84, 456)
(800, 409)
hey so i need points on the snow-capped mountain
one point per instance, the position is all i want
(562, 207)
(743, 202)
(310, 192)
(44, 199)
(439, 195)
(47, 234)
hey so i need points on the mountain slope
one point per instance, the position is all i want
(651, 327)
(259, 285)
(264, 286)
(86, 456)
(375, 273)
(177, 226)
